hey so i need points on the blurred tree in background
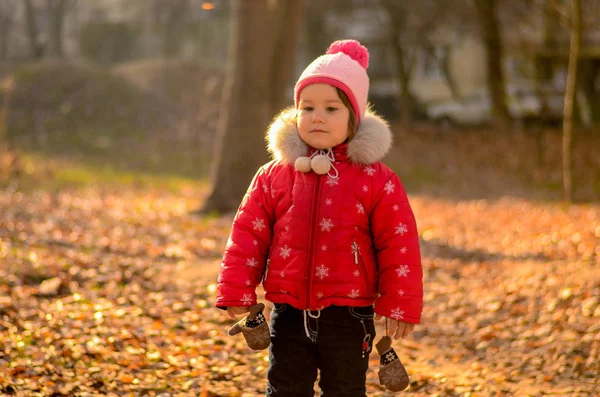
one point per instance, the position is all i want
(169, 18)
(413, 25)
(266, 49)
(47, 38)
(108, 42)
(574, 51)
(7, 20)
(487, 12)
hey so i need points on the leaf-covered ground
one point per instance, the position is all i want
(110, 291)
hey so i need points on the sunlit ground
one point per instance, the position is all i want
(107, 286)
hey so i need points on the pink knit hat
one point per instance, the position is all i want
(343, 66)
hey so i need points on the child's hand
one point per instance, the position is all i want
(233, 311)
(398, 329)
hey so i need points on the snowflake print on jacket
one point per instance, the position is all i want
(403, 271)
(310, 265)
(370, 171)
(401, 229)
(251, 262)
(284, 252)
(322, 272)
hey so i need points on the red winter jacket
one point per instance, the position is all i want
(316, 241)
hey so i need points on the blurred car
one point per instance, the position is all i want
(524, 104)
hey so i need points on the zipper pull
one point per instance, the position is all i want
(355, 250)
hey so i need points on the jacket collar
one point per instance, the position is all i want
(340, 152)
(372, 141)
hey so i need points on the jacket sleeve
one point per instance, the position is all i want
(396, 240)
(247, 247)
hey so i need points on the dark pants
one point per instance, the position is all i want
(336, 347)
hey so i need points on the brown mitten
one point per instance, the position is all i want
(392, 373)
(254, 327)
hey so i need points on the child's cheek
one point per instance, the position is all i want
(301, 124)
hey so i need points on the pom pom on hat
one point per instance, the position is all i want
(353, 49)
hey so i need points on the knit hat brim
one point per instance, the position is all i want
(321, 79)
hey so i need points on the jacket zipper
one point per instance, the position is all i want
(361, 267)
(311, 242)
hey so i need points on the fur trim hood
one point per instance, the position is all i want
(370, 144)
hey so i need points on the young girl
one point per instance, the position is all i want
(329, 231)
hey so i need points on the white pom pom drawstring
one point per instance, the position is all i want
(306, 166)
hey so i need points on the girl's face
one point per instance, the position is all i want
(322, 117)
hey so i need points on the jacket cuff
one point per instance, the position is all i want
(405, 311)
(246, 298)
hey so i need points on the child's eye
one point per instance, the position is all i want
(331, 109)
(307, 108)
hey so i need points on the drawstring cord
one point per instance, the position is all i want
(315, 153)
(308, 313)
(331, 158)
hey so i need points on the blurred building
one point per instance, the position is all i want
(448, 58)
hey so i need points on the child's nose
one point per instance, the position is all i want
(317, 117)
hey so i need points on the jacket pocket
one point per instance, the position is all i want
(362, 312)
(361, 267)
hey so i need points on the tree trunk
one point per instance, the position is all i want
(403, 74)
(246, 104)
(5, 25)
(288, 18)
(404, 66)
(314, 29)
(588, 73)
(551, 25)
(595, 92)
(570, 92)
(56, 10)
(176, 12)
(37, 48)
(404, 63)
(169, 41)
(7, 18)
(488, 20)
